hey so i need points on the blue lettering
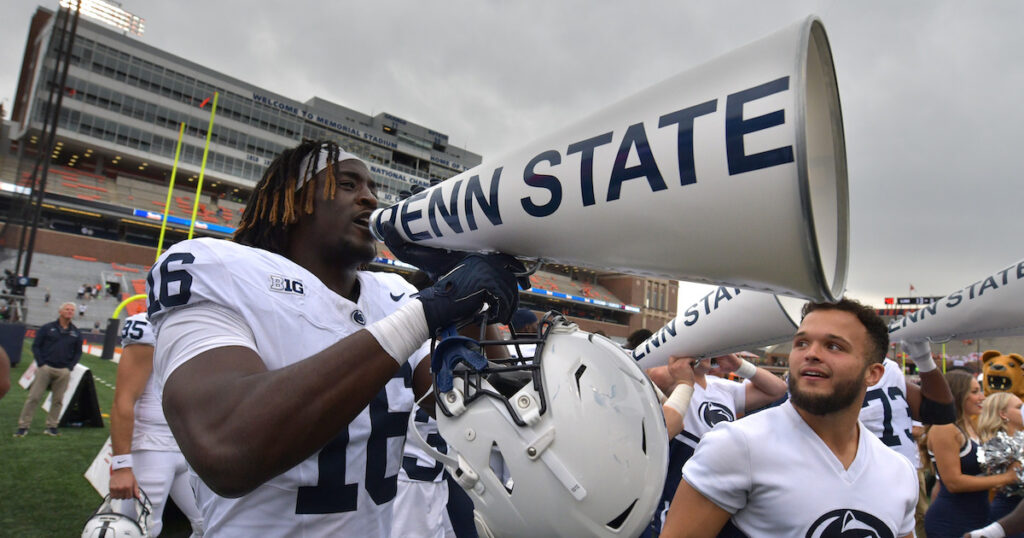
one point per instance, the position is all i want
(691, 315)
(490, 208)
(989, 283)
(684, 137)
(722, 294)
(954, 299)
(543, 181)
(635, 137)
(409, 216)
(736, 127)
(707, 308)
(586, 147)
(1004, 272)
(450, 214)
(668, 330)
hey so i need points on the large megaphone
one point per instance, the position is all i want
(732, 173)
(726, 320)
(991, 307)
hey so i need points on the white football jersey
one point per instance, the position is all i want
(347, 488)
(886, 413)
(778, 478)
(150, 431)
(721, 401)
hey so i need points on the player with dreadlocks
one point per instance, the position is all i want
(286, 371)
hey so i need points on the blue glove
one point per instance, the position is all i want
(458, 296)
(435, 262)
(450, 351)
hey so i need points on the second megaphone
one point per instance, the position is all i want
(732, 173)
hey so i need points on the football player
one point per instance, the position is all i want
(807, 467)
(712, 401)
(144, 451)
(286, 371)
(891, 405)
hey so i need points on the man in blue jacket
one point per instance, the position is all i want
(57, 348)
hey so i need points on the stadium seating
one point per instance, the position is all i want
(64, 275)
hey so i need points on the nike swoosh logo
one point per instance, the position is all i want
(398, 297)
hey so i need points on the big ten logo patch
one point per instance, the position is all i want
(285, 285)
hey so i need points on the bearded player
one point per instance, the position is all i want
(287, 372)
(807, 467)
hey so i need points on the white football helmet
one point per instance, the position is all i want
(571, 442)
(120, 518)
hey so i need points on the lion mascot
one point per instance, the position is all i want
(1003, 373)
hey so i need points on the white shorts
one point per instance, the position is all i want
(421, 510)
(161, 474)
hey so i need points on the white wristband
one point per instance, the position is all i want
(924, 363)
(120, 461)
(995, 530)
(680, 398)
(746, 369)
(402, 332)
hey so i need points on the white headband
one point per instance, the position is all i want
(324, 160)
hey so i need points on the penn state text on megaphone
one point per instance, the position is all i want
(990, 307)
(731, 173)
(725, 320)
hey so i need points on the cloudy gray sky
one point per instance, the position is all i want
(930, 92)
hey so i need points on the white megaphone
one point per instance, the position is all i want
(732, 173)
(991, 307)
(726, 320)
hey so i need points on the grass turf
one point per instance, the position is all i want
(42, 488)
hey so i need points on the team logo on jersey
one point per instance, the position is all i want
(713, 412)
(358, 317)
(849, 523)
(398, 297)
(285, 285)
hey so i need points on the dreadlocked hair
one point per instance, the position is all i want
(275, 204)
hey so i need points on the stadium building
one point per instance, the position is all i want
(110, 166)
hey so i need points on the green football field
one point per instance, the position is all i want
(42, 488)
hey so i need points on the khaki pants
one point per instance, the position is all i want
(47, 377)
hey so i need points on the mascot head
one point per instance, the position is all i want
(1003, 373)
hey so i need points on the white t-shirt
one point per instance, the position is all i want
(721, 401)
(886, 413)
(348, 487)
(150, 431)
(778, 478)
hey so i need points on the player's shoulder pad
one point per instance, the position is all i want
(199, 270)
(137, 330)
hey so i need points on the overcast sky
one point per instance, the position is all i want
(930, 92)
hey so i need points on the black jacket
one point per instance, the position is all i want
(58, 347)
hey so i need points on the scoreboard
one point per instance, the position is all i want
(911, 300)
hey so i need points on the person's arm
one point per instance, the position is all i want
(230, 413)
(692, 515)
(763, 388)
(932, 402)
(674, 407)
(944, 442)
(37, 345)
(76, 354)
(133, 372)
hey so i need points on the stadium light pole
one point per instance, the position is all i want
(65, 55)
